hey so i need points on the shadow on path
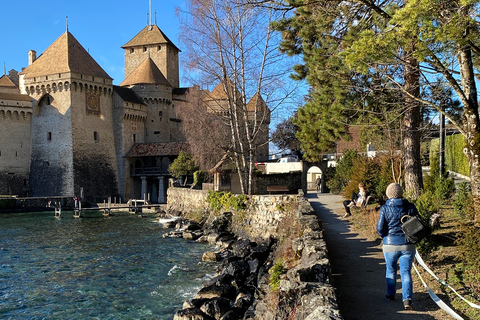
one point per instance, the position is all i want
(358, 269)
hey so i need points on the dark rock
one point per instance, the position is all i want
(243, 301)
(222, 223)
(239, 269)
(242, 248)
(230, 315)
(254, 265)
(191, 314)
(226, 290)
(189, 235)
(216, 307)
(194, 303)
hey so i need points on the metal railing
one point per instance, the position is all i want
(149, 171)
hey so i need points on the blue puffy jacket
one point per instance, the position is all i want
(389, 226)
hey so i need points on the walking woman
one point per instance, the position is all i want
(397, 250)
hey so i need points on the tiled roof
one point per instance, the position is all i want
(6, 82)
(252, 104)
(15, 97)
(157, 149)
(149, 35)
(128, 95)
(218, 93)
(66, 54)
(146, 73)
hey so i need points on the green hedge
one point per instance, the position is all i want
(455, 159)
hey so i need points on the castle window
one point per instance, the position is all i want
(49, 136)
(160, 114)
(16, 154)
(134, 138)
(144, 49)
(93, 78)
(59, 75)
(46, 77)
(156, 132)
(132, 50)
(95, 136)
(159, 48)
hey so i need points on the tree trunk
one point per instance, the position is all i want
(471, 123)
(411, 125)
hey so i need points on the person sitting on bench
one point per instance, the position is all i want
(357, 200)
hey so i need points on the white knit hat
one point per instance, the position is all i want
(394, 190)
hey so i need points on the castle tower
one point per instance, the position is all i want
(72, 131)
(152, 43)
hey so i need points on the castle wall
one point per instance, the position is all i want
(161, 124)
(94, 159)
(129, 128)
(51, 165)
(14, 148)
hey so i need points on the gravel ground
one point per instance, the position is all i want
(358, 270)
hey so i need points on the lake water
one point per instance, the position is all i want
(99, 267)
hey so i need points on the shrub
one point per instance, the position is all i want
(226, 201)
(183, 165)
(462, 199)
(275, 274)
(199, 177)
(343, 171)
(426, 206)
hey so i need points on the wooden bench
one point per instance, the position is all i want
(282, 189)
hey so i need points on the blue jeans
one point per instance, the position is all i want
(405, 260)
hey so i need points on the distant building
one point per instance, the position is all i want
(66, 130)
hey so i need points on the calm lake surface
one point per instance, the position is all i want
(94, 268)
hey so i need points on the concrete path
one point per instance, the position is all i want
(358, 270)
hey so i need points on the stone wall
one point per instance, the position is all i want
(305, 291)
(259, 222)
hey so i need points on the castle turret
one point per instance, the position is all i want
(152, 43)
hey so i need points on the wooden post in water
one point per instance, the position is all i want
(58, 210)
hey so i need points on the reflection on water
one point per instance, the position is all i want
(94, 268)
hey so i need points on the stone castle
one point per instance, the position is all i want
(66, 130)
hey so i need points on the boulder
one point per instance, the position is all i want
(239, 269)
(194, 303)
(243, 301)
(188, 235)
(191, 314)
(216, 307)
(242, 248)
(210, 256)
(231, 315)
(225, 290)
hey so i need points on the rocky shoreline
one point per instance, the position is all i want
(242, 289)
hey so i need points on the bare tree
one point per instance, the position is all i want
(230, 45)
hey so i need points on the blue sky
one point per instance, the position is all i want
(101, 26)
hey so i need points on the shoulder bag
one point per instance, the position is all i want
(414, 228)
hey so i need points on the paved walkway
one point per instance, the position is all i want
(358, 270)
